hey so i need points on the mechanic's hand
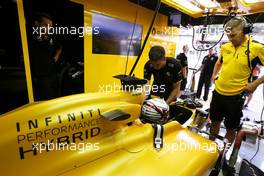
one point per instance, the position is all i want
(251, 87)
(212, 78)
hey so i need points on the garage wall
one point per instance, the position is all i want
(100, 68)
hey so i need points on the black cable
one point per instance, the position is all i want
(249, 20)
(209, 47)
(261, 116)
(207, 22)
(256, 151)
(258, 17)
(132, 35)
(230, 15)
(146, 38)
(199, 58)
(200, 50)
(256, 20)
(250, 167)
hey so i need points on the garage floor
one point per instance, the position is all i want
(253, 112)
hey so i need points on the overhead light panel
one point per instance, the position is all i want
(252, 1)
(207, 3)
(187, 5)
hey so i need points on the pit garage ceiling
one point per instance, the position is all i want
(194, 11)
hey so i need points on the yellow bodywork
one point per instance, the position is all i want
(111, 147)
(97, 146)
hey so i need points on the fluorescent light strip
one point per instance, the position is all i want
(207, 3)
(253, 1)
(188, 5)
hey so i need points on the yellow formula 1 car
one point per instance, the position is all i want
(99, 134)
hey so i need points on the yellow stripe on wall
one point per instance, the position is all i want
(23, 33)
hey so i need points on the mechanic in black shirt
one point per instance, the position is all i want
(184, 63)
(206, 68)
(43, 54)
(167, 74)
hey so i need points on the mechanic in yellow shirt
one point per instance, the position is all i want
(236, 60)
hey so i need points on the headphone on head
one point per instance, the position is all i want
(248, 25)
(248, 28)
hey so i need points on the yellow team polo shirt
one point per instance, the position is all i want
(235, 71)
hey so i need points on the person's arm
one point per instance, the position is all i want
(177, 78)
(218, 65)
(184, 72)
(199, 69)
(184, 63)
(57, 54)
(253, 86)
(217, 68)
(58, 49)
(174, 92)
(147, 76)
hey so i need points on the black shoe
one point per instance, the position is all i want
(198, 104)
(227, 170)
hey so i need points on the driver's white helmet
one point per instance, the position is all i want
(155, 111)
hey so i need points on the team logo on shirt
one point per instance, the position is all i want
(246, 52)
